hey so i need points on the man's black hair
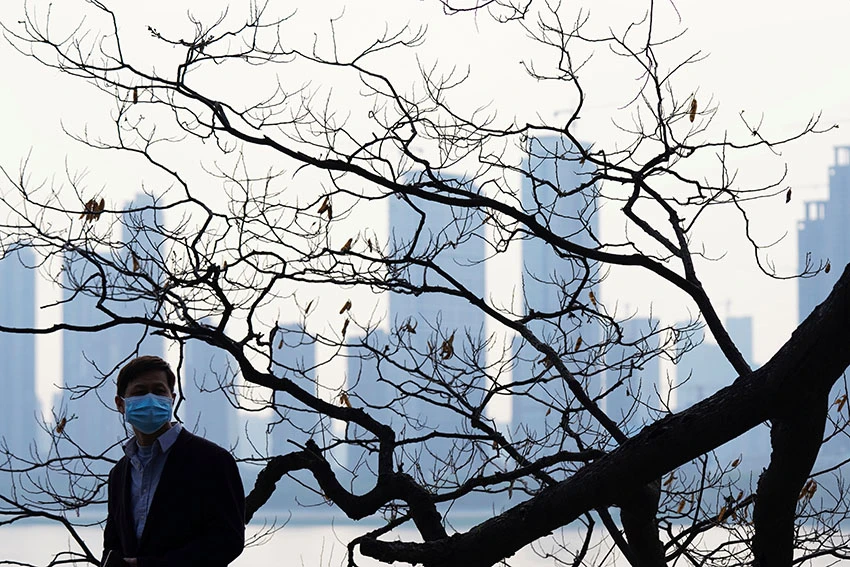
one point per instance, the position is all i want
(143, 365)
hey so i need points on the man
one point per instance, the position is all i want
(175, 499)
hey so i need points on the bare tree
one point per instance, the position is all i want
(272, 149)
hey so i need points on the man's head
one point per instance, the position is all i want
(141, 375)
(148, 414)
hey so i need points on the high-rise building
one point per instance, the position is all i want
(371, 381)
(369, 385)
(290, 425)
(18, 403)
(823, 236)
(550, 280)
(703, 371)
(448, 331)
(294, 358)
(207, 388)
(89, 357)
(634, 374)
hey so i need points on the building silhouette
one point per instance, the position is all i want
(19, 408)
(448, 331)
(90, 360)
(294, 358)
(703, 371)
(290, 425)
(633, 375)
(550, 281)
(207, 388)
(822, 236)
(369, 385)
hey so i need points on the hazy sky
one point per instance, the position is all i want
(785, 60)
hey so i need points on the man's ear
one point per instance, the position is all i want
(119, 403)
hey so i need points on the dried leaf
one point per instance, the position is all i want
(309, 305)
(369, 243)
(740, 495)
(548, 411)
(693, 112)
(345, 307)
(347, 246)
(808, 490)
(592, 298)
(578, 344)
(136, 264)
(788, 196)
(135, 95)
(92, 210)
(409, 328)
(736, 462)
(326, 204)
(280, 344)
(60, 427)
(670, 479)
(447, 349)
(343, 399)
(722, 515)
(828, 267)
(681, 506)
(345, 326)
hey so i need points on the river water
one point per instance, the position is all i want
(291, 546)
(321, 545)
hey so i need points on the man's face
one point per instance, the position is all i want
(153, 382)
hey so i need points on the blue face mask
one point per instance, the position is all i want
(147, 413)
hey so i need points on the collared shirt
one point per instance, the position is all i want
(147, 464)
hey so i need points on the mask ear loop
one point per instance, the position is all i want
(130, 432)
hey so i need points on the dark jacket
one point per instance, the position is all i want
(197, 516)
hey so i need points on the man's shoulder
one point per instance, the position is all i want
(200, 447)
(118, 468)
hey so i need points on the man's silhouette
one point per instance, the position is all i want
(175, 499)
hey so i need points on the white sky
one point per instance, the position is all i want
(787, 60)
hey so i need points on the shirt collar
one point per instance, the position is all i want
(165, 441)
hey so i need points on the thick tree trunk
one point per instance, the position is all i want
(812, 360)
(639, 517)
(796, 440)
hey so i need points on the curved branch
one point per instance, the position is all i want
(813, 358)
(389, 487)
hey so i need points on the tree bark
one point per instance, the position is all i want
(811, 360)
(638, 515)
(796, 440)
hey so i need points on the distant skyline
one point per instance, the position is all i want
(783, 63)
(208, 411)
